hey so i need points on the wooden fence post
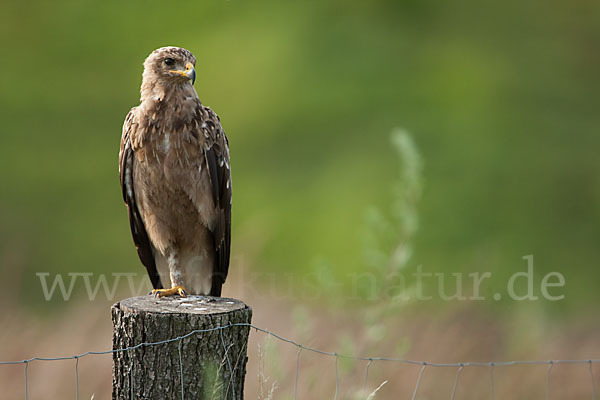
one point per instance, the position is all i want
(203, 365)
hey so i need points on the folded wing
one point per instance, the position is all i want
(138, 231)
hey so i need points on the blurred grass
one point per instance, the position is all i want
(501, 99)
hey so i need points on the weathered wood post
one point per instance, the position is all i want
(210, 364)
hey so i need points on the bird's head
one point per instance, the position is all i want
(169, 66)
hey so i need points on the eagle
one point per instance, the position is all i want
(175, 179)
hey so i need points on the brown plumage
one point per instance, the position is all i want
(175, 178)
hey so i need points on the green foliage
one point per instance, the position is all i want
(266, 386)
(388, 241)
(213, 378)
(501, 99)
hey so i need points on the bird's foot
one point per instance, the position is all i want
(169, 292)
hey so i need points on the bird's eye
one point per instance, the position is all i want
(169, 61)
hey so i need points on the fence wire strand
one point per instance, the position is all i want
(548, 380)
(367, 374)
(131, 377)
(181, 370)
(414, 396)
(227, 357)
(337, 377)
(301, 347)
(76, 378)
(456, 382)
(26, 379)
(297, 371)
(593, 382)
(492, 381)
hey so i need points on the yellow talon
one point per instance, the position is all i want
(169, 292)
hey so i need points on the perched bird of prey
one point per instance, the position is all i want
(176, 181)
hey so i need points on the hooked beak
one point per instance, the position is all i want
(189, 72)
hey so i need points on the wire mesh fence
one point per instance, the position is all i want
(301, 348)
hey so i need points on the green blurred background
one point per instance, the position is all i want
(501, 99)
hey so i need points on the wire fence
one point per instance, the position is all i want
(302, 348)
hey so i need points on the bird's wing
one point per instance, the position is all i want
(216, 155)
(138, 231)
